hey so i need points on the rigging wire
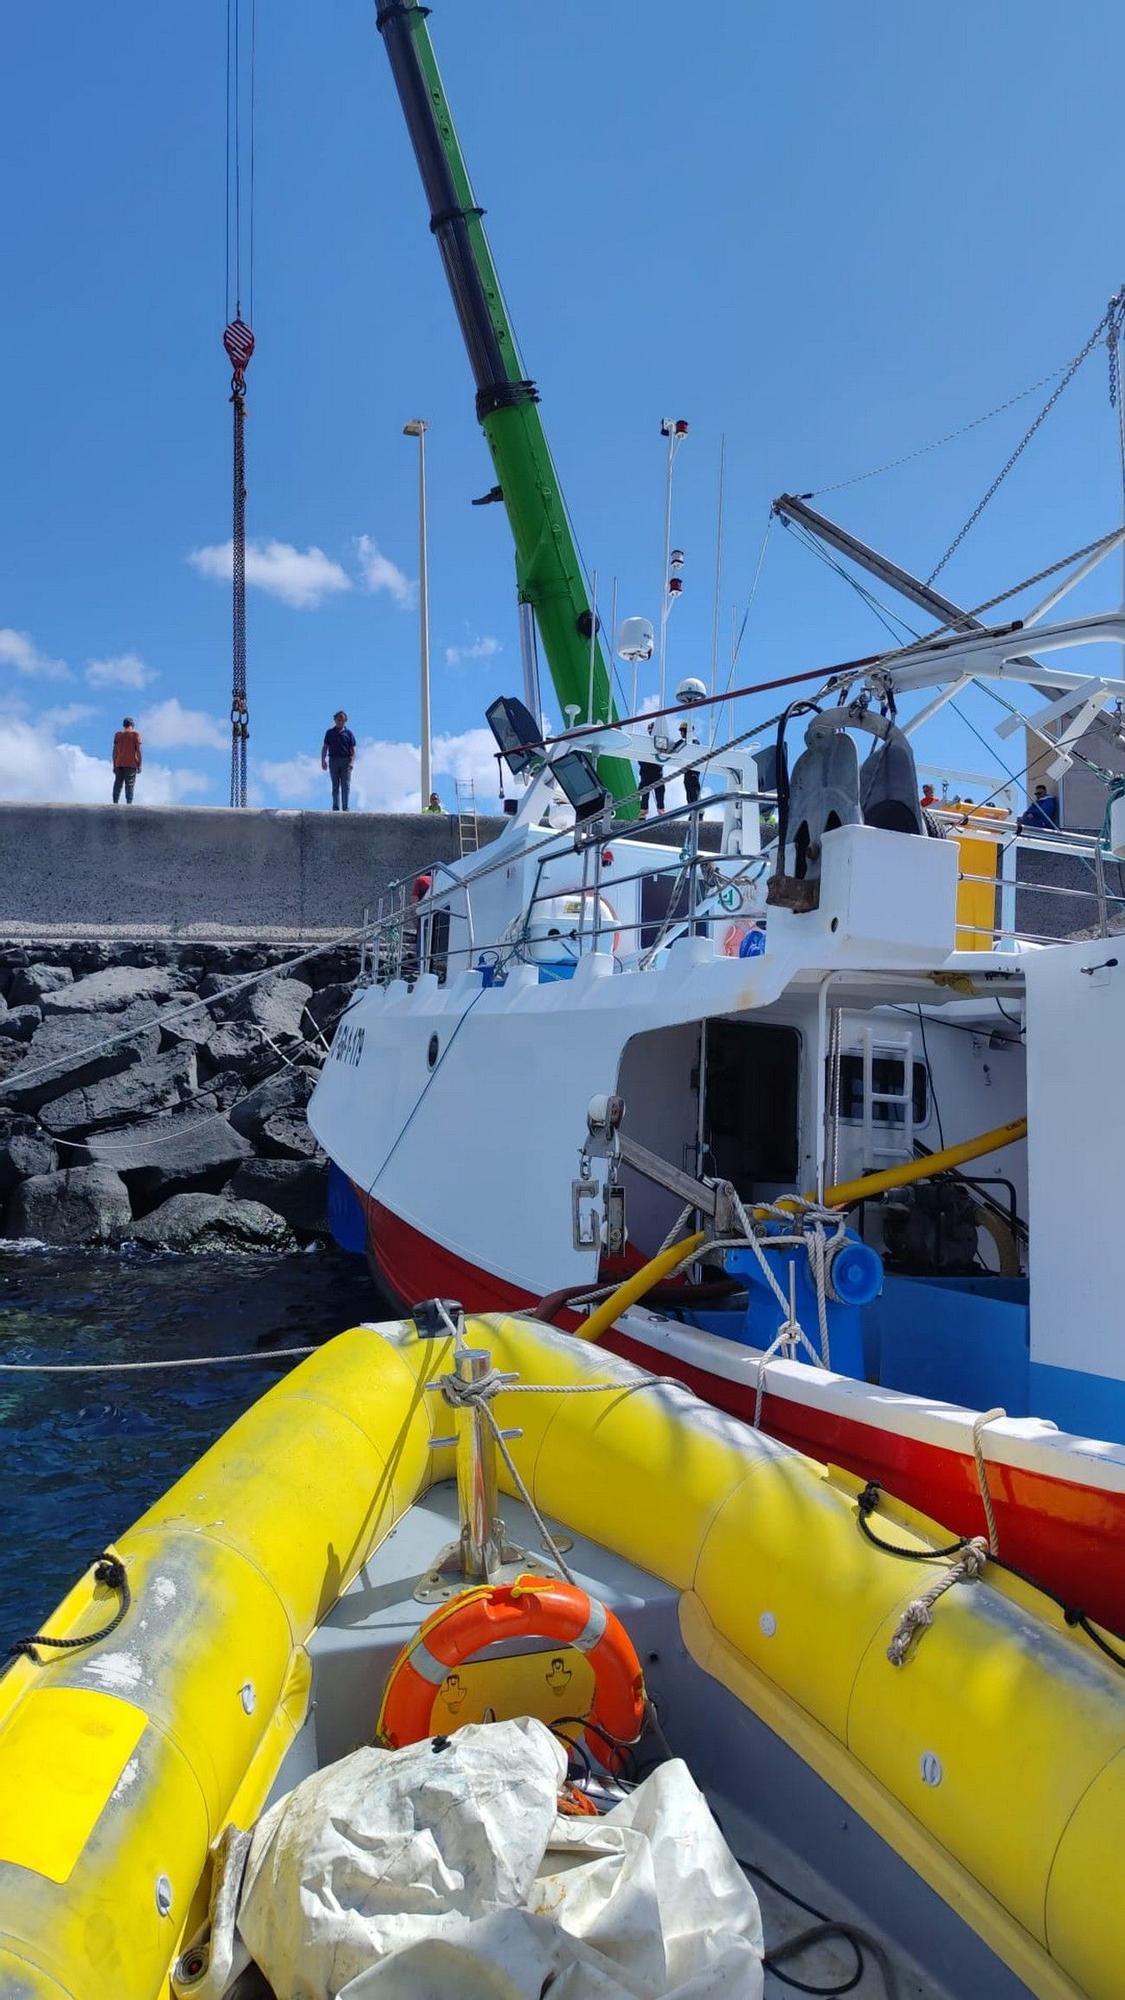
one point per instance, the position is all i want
(226, 189)
(884, 613)
(238, 341)
(237, 160)
(935, 444)
(887, 617)
(737, 644)
(253, 145)
(1108, 325)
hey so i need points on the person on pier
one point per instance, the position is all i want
(337, 757)
(126, 760)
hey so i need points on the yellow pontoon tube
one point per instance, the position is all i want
(993, 1761)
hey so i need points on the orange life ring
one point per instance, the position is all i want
(533, 1607)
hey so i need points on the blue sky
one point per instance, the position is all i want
(832, 232)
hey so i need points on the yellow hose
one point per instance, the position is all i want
(843, 1196)
(634, 1288)
(850, 1192)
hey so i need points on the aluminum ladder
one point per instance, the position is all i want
(887, 1139)
(468, 828)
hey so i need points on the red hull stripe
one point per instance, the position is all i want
(1069, 1535)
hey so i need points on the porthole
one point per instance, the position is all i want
(432, 1051)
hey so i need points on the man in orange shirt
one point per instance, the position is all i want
(126, 760)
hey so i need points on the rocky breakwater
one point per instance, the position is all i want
(130, 1113)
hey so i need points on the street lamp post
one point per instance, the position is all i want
(417, 428)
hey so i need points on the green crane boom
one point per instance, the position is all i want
(548, 567)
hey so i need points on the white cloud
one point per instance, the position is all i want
(170, 727)
(34, 764)
(66, 716)
(380, 573)
(387, 776)
(126, 670)
(293, 779)
(302, 578)
(479, 649)
(18, 650)
(472, 755)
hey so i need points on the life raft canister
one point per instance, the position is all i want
(533, 1607)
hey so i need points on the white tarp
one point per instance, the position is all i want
(420, 1874)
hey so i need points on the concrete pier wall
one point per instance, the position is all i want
(184, 872)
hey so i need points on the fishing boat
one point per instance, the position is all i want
(327, 1721)
(838, 1006)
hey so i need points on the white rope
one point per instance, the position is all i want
(108, 1151)
(545, 1535)
(920, 1611)
(817, 1247)
(790, 1336)
(677, 1229)
(289, 1061)
(143, 1367)
(988, 1417)
(752, 1240)
(461, 1395)
(818, 1265)
(240, 985)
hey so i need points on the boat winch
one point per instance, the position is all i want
(799, 1277)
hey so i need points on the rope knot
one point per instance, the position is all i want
(868, 1500)
(462, 1395)
(974, 1558)
(919, 1613)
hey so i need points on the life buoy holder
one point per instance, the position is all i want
(533, 1607)
(607, 917)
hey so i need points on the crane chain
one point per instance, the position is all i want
(1109, 325)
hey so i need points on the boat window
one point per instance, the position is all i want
(886, 1081)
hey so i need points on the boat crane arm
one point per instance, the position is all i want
(943, 657)
(549, 574)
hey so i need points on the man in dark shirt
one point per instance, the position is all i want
(337, 755)
(1043, 813)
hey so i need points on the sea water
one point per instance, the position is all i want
(84, 1455)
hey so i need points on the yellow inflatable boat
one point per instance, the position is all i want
(968, 1801)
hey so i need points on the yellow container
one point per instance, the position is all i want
(977, 916)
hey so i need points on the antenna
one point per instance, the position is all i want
(718, 568)
(675, 430)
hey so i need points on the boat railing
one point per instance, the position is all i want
(700, 872)
(395, 927)
(399, 914)
(696, 870)
(1016, 875)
